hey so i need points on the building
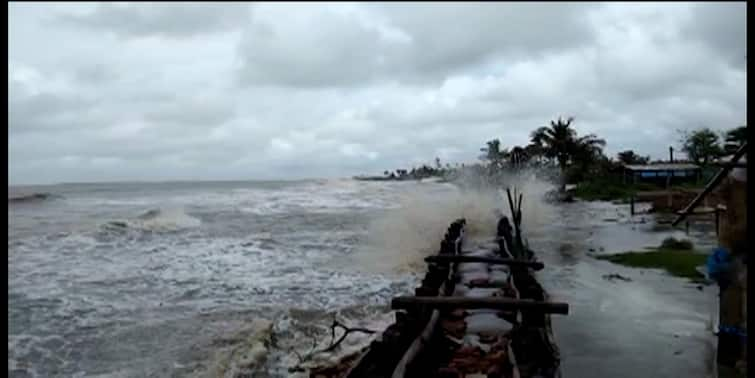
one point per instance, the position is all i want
(662, 173)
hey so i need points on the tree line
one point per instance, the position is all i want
(578, 157)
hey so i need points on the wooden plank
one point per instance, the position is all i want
(536, 265)
(711, 185)
(497, 303)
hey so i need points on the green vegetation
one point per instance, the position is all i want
(629, 157)
(577, 159)
(560, 142)
(734, 138)
(701, 146)
(677, 257)
(602, 190)
(678, 244)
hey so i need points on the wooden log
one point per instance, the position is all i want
(496, 303)
(711, 185)
(536, 265)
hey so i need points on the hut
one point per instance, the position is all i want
(662, 174)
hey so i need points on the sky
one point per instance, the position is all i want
(244, 91)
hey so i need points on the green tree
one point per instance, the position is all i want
(493, 154)
(518, 156)
(629, 157)
(734, 138)
(560, 142)
(701, 146)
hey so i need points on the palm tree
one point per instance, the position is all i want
(494, 154)
(518, 156)
(629, 157)
(560, 142)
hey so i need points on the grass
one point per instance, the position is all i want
(675, 256)
(611, 188)
(607, 190)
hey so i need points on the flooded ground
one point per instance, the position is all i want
(655, 325)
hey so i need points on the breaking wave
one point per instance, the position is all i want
(398, 241)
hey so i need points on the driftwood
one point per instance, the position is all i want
(333, 342)
(536, 265)
(407, 302)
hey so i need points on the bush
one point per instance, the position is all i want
(672, 243)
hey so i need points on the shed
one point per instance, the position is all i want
(659, 173)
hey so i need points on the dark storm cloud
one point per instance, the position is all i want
(207, 90)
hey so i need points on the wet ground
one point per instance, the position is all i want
(650, 325)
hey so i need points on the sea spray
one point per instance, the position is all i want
(398, 241)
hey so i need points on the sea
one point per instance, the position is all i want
(244, 279)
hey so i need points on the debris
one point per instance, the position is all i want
(616, 276)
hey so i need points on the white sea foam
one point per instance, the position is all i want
(399, 240)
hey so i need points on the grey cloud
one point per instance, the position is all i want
(196, 111)
(172, 20)
(95, 74)
(311, 49)
(342, 89)
(46, 112)
(722, 26)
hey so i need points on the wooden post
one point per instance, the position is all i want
(631, 205)
(670, 200)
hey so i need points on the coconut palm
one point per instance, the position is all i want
(560, 142)
(494, 154)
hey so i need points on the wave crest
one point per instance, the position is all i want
(160, 220)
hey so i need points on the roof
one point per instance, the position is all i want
(662, 167)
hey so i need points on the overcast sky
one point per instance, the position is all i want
(164, 91)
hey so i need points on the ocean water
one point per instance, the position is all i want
(226, 279)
